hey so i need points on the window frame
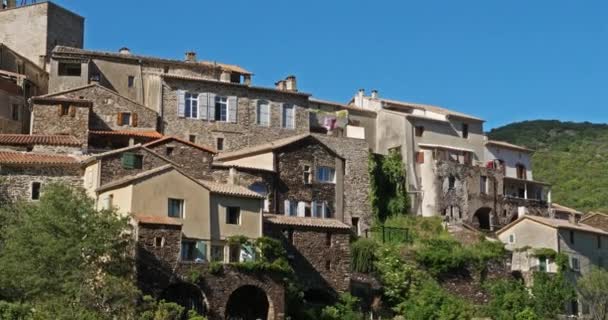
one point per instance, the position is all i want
(219, 143)
(35, 189)
(229, 217)
(191, 106)
(465, 130)
(483, 184)
(221, 104)
(291, 124)
(419, 131)
(215, 249)
(325, 174)
(130, 81)
(191, 250)
(575, 266)
(128, 116)
(307, 174)
(259, 114)
(67, 69)
(182, 208)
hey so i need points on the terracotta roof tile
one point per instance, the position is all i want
(304, 221)
(230, 189)
(20, 158)
(148, 219)
(260, 148)
(171, 138)
(27, 139)
(129, 133)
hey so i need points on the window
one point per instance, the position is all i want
(419, 131)
(176, 208)
(318, 209)
(130, 81)
(465, 131)
(221, 108)
(521, 171)
(451, 182)
(36, 190)
(355, 225)
(107, 201)
(159, 242)
(328, 239)
(192, 138)
(483, 184)
(234, 254)
(263, 114)
(288, 117)
(307, 174)
(289, 235)
(219, 144)
(169, 151)
(542, 264)
(328, 265)
(124, 118)
(64, 109)
(191, 107)
(326, 174)
(511, 238)
(420, 157)
(233, 215)
(132, 160)
(572, 236)
(188, 250)
(217, 253)
(575, 264)
(69, 69)
(15, 112)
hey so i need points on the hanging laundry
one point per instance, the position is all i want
(329, 122)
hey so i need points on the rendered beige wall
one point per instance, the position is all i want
(261, 161)
(251, 217)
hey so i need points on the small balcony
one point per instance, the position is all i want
(527, 190)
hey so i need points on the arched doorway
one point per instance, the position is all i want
(186, 295)
(481, 218)
(248, 303)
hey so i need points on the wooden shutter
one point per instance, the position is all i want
(203, 105)
(119, 119)
(211, 104)
(301, 209)
(314, 209)
(232, 109)
(281, 115)
(72, 111)
(134, 119)
(420, 157)
(201, 251)
(287, 208)
(181, 103)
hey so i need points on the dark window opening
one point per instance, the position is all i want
(465, 130)
(233, 215)
(36, 190)
(328, 239)
(132, 160)
(235, 253)
(219, 142)
(419, 131)
(159, 242)
(328, 265)
(64, 109)
(70, 69)
(188, 250)
(15, 112)
(130, 81)
(355, 225)
(571, 236)
(451, 182)
(521, 171)
(192, 138)
(175, 208)
(169, 151)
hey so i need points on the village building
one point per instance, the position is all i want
(586, 247)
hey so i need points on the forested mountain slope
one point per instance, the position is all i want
(571, 156)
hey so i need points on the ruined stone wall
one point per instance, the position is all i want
(112, 169)
(320, 257)
(107, 105)
(195, 162)
(16, 181)
(245, 132)
(155, 264)
(47, 119)
(290, 166)
(356, 177)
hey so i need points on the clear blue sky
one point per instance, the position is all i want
(500, 60)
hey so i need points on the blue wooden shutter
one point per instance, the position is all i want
(203, 105)
(232, 109)
(181, 103)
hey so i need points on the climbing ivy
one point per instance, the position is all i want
(388, 192)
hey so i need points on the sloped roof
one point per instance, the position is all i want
(440, 110)
(161, 220)
(559, 207)
(593, 214)
(304, 221)
(128, 133)
(25, 159)
(63, 50)
(172, 138)
(555, 223)
(41, 139)
(132, 178)
(230, 189)
(508, 145)
(340, 105)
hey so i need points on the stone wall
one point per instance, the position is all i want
(290, 166)
(320, 257)
(194, 161)
(112, 169)
(246, 178)
(597, 220)
(47, 119)
(236, 135)
(16, 181)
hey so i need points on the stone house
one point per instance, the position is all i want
(12, 107)
(24, 175)
(50, 144)
(596, 219)
(585, 246)
(192, 158)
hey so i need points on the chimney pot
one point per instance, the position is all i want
(374, 94)
(280, 85)
(190, 56)
(290, 83)
(124, 50)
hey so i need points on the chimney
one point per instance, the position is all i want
(290, 83)
(359, 98)
(124, 50)
(190, 56)
(374, 94)
(280, 85)
(247, 79)
(233, 176)
(225, 76)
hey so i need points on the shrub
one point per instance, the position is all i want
(362, 255)
(347, 308)
(439, 256)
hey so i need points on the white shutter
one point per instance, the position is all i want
(314, 209)
(301, 209)
(282, 115)
(324, 213)
(181, 103)
(287, 208)
(211, 106)
(232, 109)
(203, 105)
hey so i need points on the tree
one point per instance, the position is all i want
(347, 308)
(67, 259)
(593, 287)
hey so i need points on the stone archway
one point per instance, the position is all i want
(482, 219)
(249, 303)
(188, 296)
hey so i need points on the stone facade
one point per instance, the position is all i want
(61, 117)
(16, 181)
(245, 132)
(195, 161)
(597, 220)
(320, 256)
(112, 168)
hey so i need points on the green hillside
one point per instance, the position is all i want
(571, 156)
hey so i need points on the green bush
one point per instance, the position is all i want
(347, 308)
(439, 256)
(363, 255)
(15, 311)
(430, 301)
